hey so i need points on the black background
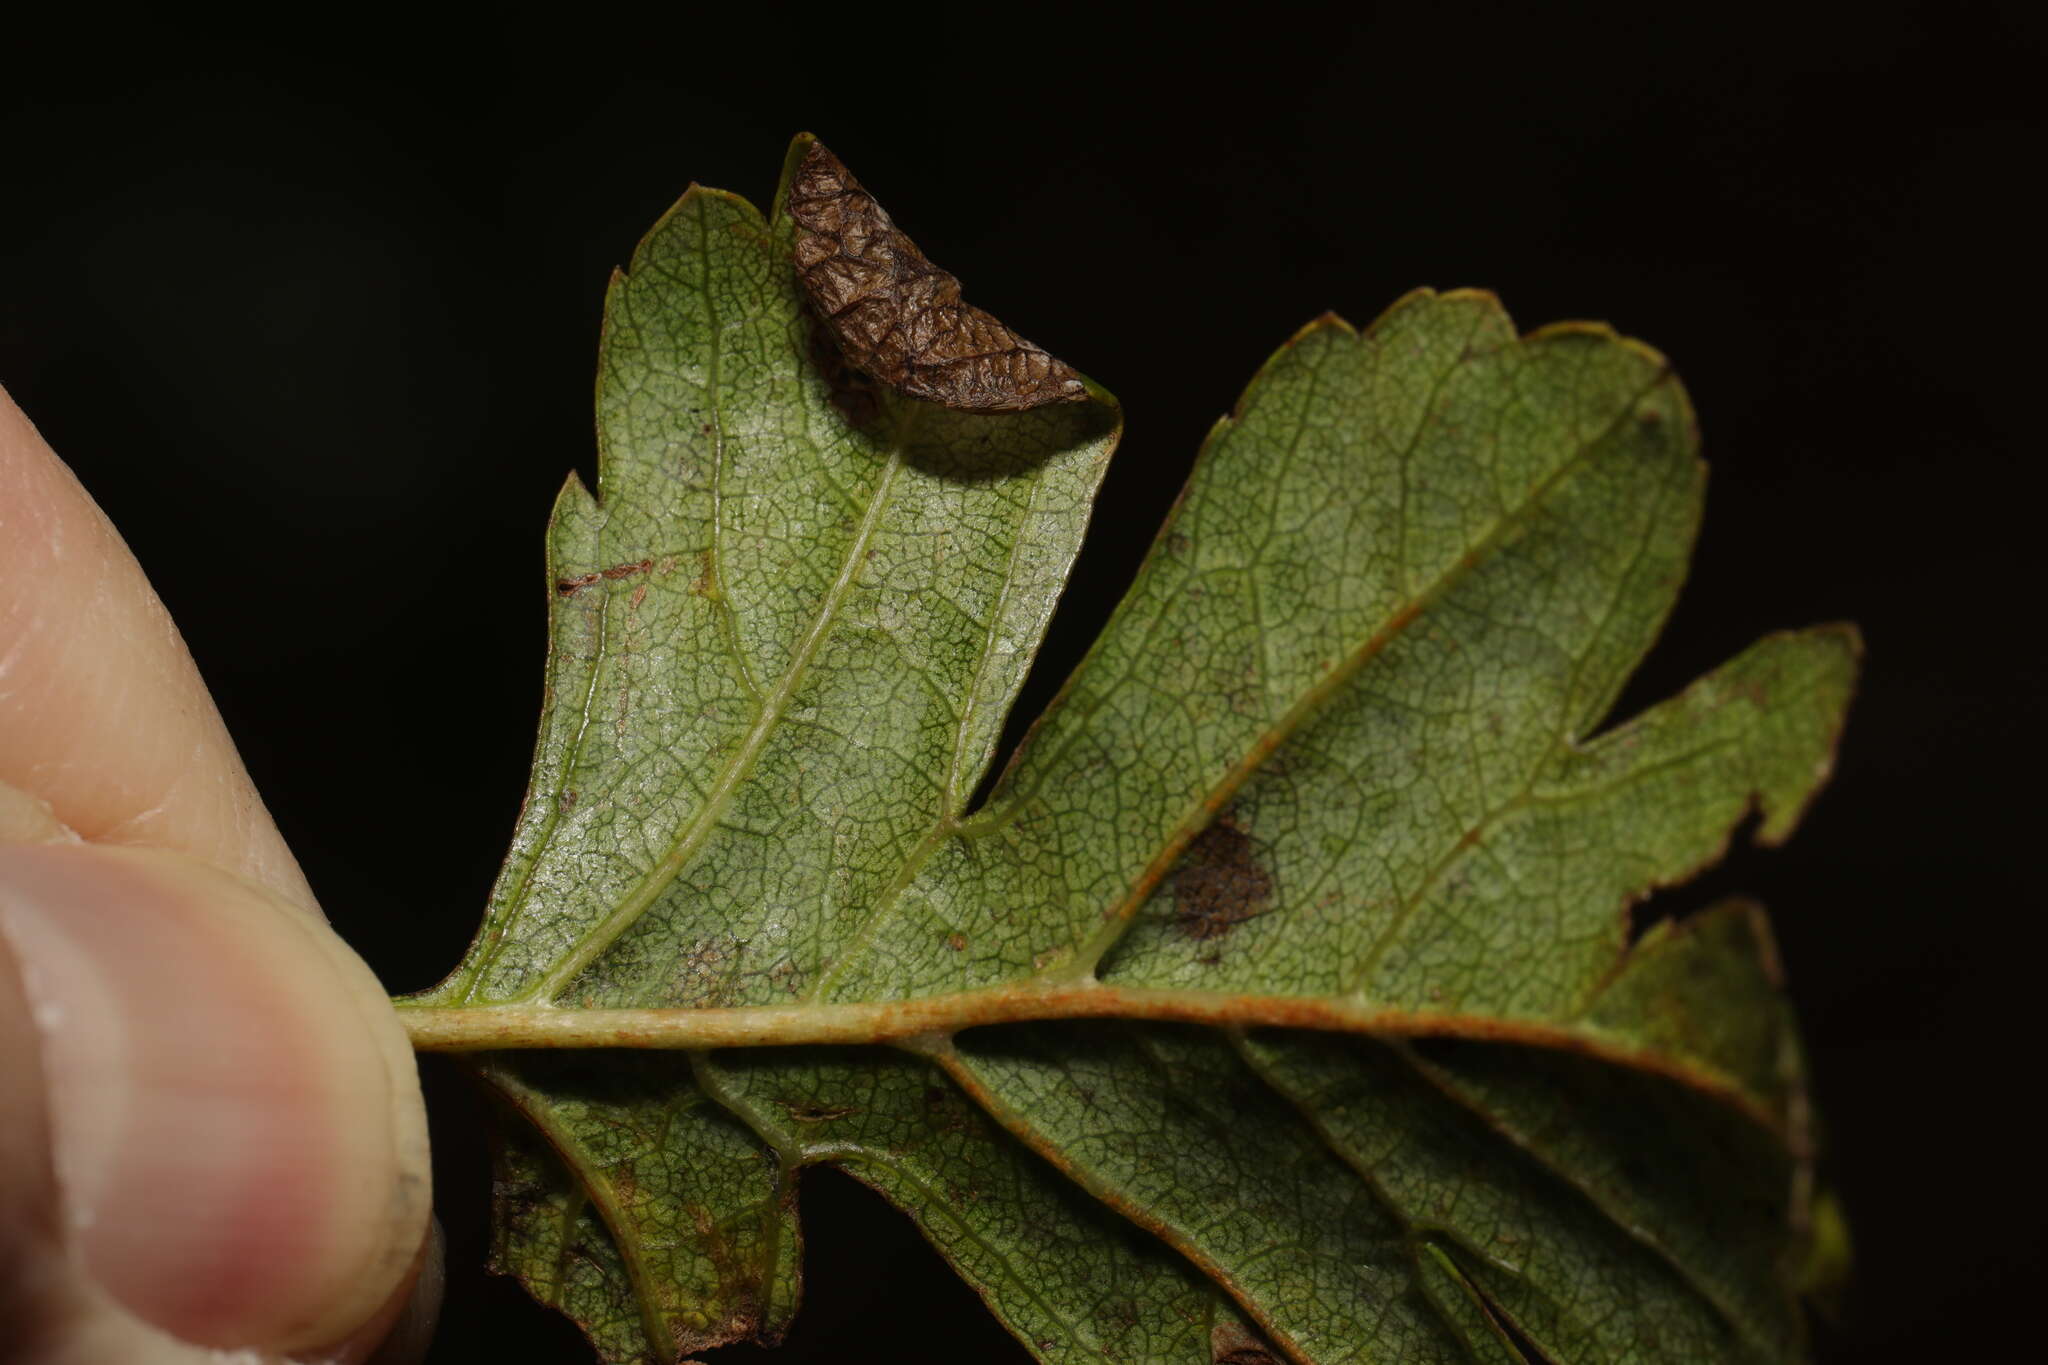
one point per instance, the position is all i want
(316, 327)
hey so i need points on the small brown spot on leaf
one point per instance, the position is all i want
(1218, 883)
(900, 319)
(957, 942)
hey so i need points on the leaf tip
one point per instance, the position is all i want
(1327, 321)
(1836, 652)
(1848, 636)
(574, 487)
(893, 315)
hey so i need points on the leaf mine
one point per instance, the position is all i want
(898, 317)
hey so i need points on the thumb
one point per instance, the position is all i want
(235, 1126)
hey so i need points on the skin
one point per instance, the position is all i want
(212, 1142)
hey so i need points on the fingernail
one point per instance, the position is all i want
(237, 1130)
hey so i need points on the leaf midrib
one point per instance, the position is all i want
(489, 1028)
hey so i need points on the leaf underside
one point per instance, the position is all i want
(1337, 755)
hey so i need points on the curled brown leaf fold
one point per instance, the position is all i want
(899, 318)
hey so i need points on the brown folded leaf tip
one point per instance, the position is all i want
(899, 318)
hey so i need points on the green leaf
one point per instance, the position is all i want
(1282, 1001)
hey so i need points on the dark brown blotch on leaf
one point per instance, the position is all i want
(897, 317)
(1218, 883)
